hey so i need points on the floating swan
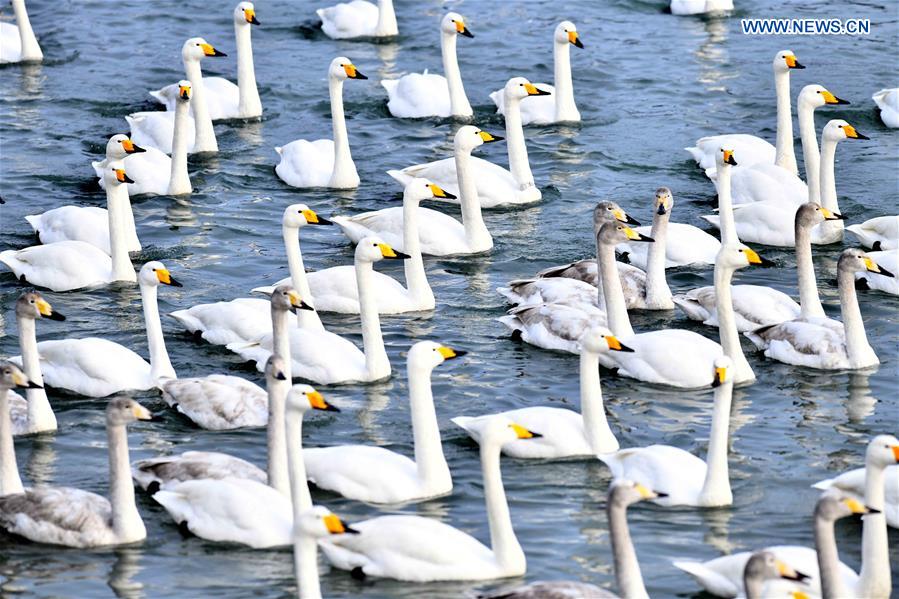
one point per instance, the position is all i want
(74, 264)
(10, 378)
(34, 415)
(880, 233)
(417, 96)
(700, 7)
(417, 549)
(888, 260)
(156, 129)
(563, 433)
(358, 18)
(853, 482)
(495, 185)
(818, 342)
(309, 527)
(226, 100)
(324, 162)
(377, 475)
(559, 107)
(76, 518)
(97, 367)
(324, 357)
(752, 149)
(17, 42)
(439, 233)
(887, 101)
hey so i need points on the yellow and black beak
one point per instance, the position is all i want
(574, 40)
(336, 526)
(296, 303)
(250, 15)
(729, 158)
(720, 377)
(131, 148)
(876, 268)
(623, 217)
(141, 413)
(634, 236)
(208, 50)
(440, 193)
(524, 433)
(448, 353)
(317, 402)
(166, 278)
(793, 63)
(616, 345)
(647, 493)
(391, 254)
(23, 382)
(661, 210)
(753, 258)
(851, 133)
(461, 29)
(533, 90)
(828, 215)
(489, 137)
(352, 72)
(788, 573)
(829, 98)
(46, 311)
(857, 507)
(314, 219)
(122, 177)
(184, 92)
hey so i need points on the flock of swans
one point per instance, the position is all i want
(581, 308)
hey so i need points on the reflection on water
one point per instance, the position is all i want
(123, 571)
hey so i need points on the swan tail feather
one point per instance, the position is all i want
(824, 484)
(708, 578)
(34, 220)
(690, 307)
(264, 290)
(401, 177)
(278, 150)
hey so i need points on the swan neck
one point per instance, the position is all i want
(429, 459)
(301, 500)
(386, 19)
(596, 426)
(811, 156)
(657, 291)
(249, 104)
(126, 520)
(874, 577)
(503, 542)
(204, 134)
(276, 437)
(627, 567)
(160, 365)
(305, 560)
(117, 207)
(727, 324)
(377, 364)
(726, 206)
(716, 487)
(306, 319)
(809, 301)
(414, 267)
(281, 341)
(459, 106)
(784, 155)
(518, 150)
(613, 295)
(30, 49)
(566, 110)
(40, 413)
(9, 471)
(827, 175)
(179, 179)
(476, 233)
(344, 174)
(828, 560)
(857, 346)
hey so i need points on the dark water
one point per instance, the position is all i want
(647, 84)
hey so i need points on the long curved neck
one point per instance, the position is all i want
(126, 520)
(613, 295)
(832, 586)
(856, 339)
(726, 206)
(476, 233)
(281, 343)
(627, 568)
(249, 104)
(503, 542)
(204, 134)
(518, 150)
(386, 19)
(117, 207)
(459, 105)
(306, 319)
(716, 487)
(160, 365)
(828, 184)
(344, 168)
(566, 109)
(811, 156)
(31, 50)
(9, 471)
(809, 301)
(432, 467)
(276, 437)
(596, 426)
(179, 179)
(727, 323)
(40, 413)
(376, 361)
(414, 267)
(657, 291)
(299, 488)
(784, 156)
(305, 561)
(874, 578)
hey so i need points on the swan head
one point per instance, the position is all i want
(469, 137)
(519, 88)
(422, 189)
(623, 493)
(428, 355)
(566, 33)
(302, 398)
(810, 214)
(725, 157)
(245, 14)
(342, 68)
(373, 249)
(724, 371)
(318, 522)
(817, 96)
(288, 299)
(599, 339)
(838, 130)
(785, 61)
(854, 260)
(664, 201)
(32, 304)
(155, 273)
(115, 175)
(184, 91)
(275, 370)
(12, 377)
(835, 504)
(736, 255)
(883, 450)
(300, 215)
(764, 565)
(120, 145)
(124, 410)
(196, 49)
(454, 24)
(613, 233)
(607, 212)
(500, 430)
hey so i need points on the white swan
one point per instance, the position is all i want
(226, 100)
(887, 260)
(156, 129)
(17, 42)
(97, 367)
(324, 162)
(818, 342)
(76, 518)
(852, 483)
(377, 475)
(887, 101)
(10, 378)
(324, 357)
(417, 549)
(687, 480)
(417, 96)
(439, 233)
(752, 149)
(334, 289)
(879, 233)
(495, 185)
(358, 18)
(700, 7)
(559, 106)
(563, 433)
(34, 414)
(74, 264)
(309, 527)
